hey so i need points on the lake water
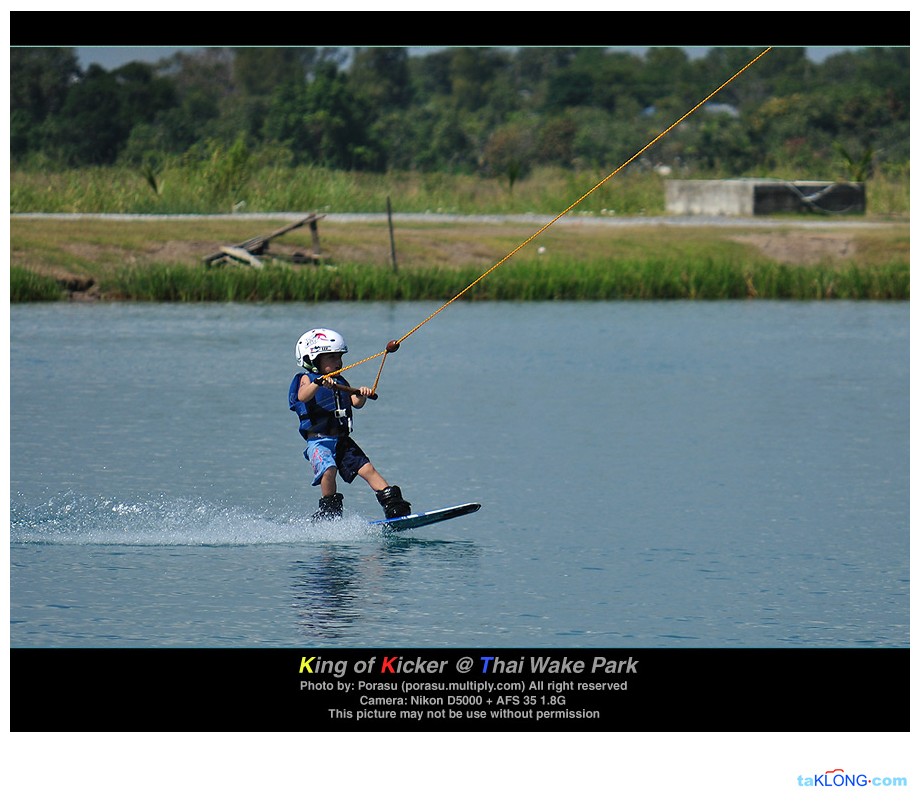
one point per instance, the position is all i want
(680, 474)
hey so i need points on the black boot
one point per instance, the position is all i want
(330, 508)
(390, 498)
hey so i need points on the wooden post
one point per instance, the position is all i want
(314, 234)
(392, 242)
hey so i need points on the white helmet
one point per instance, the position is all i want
(316, 341)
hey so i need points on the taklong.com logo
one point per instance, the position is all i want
(839, 777)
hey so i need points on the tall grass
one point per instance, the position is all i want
(537, 280)
(27, 286)
(273, 189)
(191, 189)
(888, 195)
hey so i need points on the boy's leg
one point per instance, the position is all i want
(327, 485)
(390, 498)
(354, 461)
(321, 454)
(331, 504)
(369, 473)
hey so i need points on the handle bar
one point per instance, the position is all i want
(350, 389)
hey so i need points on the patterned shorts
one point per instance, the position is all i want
(339, 452)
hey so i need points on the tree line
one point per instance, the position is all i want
(468, 110)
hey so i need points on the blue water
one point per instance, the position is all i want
(677, 474)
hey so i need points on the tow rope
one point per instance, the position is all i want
(393, 346)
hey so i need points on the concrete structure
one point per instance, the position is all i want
(749, 197)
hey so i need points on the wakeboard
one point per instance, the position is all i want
(418, 519)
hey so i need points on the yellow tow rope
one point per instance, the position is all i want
(393, 345)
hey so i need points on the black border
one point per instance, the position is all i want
(674, 690)
(451, 28)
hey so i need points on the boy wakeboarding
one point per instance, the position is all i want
(325, 415)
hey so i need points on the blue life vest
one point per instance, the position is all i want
(319, 413)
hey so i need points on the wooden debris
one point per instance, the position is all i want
(246, 251)
(242, 255)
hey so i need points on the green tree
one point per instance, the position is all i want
(670, 83)
(92, 108)
(556, 142)
(428, 139)
(508, 153)
(534, 67)
(461, 109)
(621, 86)
(104, 107)
(572, 86)
(380, 78)
(720, 143)
(40, 79)
(257, 71)
(321, 122)
(430, 76)
(473, 72)
(749, 90)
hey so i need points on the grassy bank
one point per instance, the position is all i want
(157, 259)
(260, 188)
(526, 281)
(162, 260)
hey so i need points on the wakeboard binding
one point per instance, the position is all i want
(330, 508)
(394, 505)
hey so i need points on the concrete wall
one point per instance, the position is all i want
(749, 197)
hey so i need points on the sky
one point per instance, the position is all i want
(110, 57)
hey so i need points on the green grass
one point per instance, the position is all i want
(185, 189)
(538, 280)
(27, 286)
(273, 189)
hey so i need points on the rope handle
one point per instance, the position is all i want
(392, 347)
(342, 387)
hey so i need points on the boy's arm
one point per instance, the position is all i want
(307, 389)
(359, 398)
